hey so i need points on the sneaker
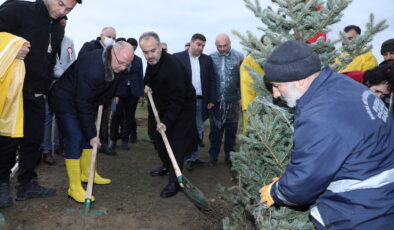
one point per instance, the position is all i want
(5, 195)
(33, 190)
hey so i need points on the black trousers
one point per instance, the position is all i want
(125, 115)
(29, 145)
(180, 152)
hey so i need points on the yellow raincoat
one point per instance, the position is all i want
(12, 75)
(247, 92)
(362, 62)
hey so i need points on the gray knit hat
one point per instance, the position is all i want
(291, 61)
(387, 46)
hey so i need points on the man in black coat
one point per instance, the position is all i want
(200, 70)
(130, 92)
(87, 83)
(107, 38)
(175, 100)
(37, 22)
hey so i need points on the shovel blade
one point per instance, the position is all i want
(194, 194)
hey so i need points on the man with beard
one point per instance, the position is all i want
(342, 162)
(387, 51)
(200, 70)
(175, 100)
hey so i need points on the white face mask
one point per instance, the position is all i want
(108, 41)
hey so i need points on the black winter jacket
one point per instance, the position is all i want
(31, 21)
(84, 86)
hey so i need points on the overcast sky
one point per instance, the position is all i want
(177, 20)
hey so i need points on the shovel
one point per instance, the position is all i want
(89, 189)
(190, 190)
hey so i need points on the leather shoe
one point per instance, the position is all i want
(171, 189)
(106, 150)
(190, 165)
(48, 159)
(5, 195)
(160, 172)
(33, 190)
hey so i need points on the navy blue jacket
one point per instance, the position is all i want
(208, 81)
(89, 46)
(134, 77)
(343, 158)
(81, 88)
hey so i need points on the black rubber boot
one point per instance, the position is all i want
(33, 190)
(5, 195)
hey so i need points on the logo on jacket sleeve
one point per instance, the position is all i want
(374, 106)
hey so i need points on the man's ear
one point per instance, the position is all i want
(300, 83)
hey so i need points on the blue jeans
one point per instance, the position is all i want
(73, 137)
(46, 145)
(223, 119)
(200, 128)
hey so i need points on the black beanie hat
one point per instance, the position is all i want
(291, 61)
(387, 46)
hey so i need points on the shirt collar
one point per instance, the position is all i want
(191, 57)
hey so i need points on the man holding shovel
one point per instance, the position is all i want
(175, 99)
(73, 99)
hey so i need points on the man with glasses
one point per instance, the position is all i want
(130, 92)
(38, 23)
(87, 83)
(107, 38)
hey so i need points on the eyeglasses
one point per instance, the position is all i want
(121, 63)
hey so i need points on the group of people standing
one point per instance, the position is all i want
(106, 72)
(343, 131)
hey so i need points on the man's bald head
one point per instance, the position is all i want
(122, 56)
(223, 43)
(108, 32)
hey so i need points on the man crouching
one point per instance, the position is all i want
(87, 83)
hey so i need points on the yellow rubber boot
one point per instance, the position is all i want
(75, 190)
(85, 164)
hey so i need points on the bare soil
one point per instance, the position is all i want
(132, 200)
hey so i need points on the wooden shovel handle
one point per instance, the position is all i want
(89, 188)
(165, 139)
